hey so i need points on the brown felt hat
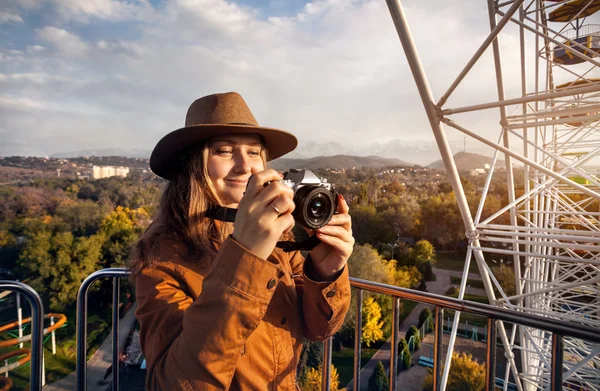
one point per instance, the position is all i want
(209, 116)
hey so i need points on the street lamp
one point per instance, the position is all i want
(392, 246)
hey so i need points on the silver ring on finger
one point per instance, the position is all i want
(276, 209)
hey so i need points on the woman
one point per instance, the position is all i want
(219, 306)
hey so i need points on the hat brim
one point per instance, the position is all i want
(165, 159)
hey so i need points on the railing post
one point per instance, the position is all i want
(115, 341)
(394, 347)
(490, 368)
(37, 329)
(81, 337)
(557, 362)
(326, 380)
(82, 324)
(438, 347)
(357, 339)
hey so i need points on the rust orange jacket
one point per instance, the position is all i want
(234, 321)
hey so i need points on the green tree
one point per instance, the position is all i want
(121, 228)
(366, 225)
(365, 263)
(441, 221)
(379, 381)
(72, 191)
(423, 253)
(400, 215)
(423, 256)
(404, 355)
(426, 317)
(81, 217)
(413, 331)
(506, 277)
(57, 263)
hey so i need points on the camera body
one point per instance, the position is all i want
(316, 201)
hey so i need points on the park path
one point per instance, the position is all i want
(100, 362)
(439, 286)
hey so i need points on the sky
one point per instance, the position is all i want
(78, 75)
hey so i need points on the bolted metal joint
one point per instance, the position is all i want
(472, 236)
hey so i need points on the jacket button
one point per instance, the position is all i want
(283, 320)
(271, 283)
(331, 293)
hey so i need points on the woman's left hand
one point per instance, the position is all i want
(331, 255)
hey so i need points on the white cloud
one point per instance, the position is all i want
(113, 10)
(123, 47)
(65, 42)
(35, 48)
(8, 17)
(19, 103)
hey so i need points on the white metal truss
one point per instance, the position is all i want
(551, 229)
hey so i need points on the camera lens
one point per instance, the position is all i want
(314, 206)
(316, 209)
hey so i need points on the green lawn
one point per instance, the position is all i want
(474, 283)
(454, 261)
(475, 320)
(476, 298)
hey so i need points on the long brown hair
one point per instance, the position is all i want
(181, 214)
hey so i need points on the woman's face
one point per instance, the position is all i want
(232, 159)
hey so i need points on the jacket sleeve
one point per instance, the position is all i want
(195, 345)
(324, 303)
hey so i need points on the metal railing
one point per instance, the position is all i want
(37, 329)
(115, 274)
(583, 31)
(493, 314)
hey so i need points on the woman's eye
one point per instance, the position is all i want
(254, 153)
(224, 151)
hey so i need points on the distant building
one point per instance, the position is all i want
(99, 172)
(478, 171)
(83, 175)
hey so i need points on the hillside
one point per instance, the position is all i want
(338, 161)
(123, 152)
(467, 161)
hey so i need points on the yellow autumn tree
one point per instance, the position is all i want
(404, 276)
(466, 374)
(313, 379)
(372, 323)
(121, 228)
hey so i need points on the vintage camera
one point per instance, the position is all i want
(316, 201)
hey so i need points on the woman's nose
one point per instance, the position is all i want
(242, 163)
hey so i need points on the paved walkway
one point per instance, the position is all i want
(100, 361)
(439, 286)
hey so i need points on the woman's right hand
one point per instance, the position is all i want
(264, 213)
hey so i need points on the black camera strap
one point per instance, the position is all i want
(222, 213)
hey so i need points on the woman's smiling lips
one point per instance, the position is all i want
(237, 182)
